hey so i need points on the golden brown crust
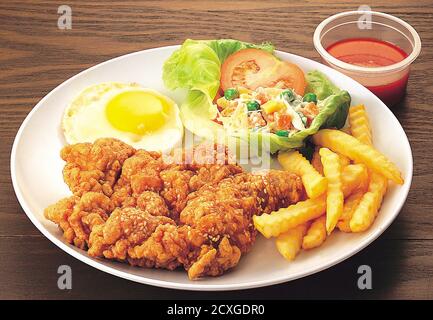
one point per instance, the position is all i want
(124, 229)
(137, 207)
(215, 261)
(77, 216)
(152, 203)
(168, 247)
(94, 167)
(140, 173)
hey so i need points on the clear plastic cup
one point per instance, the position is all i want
(387, 82)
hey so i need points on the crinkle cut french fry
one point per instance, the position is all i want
(290, 243)
(369, 203)
(271, 225)
(350, 204)
(368, 207)
(314, 182)
(359, 152)
(317, 163)
(359, 124)
(354, 177)
(334, 195)
(316, 234)
(278, 222)
(344, 161)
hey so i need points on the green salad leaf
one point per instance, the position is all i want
(320, 85)
(197, 64)
(333, 114)
(196, 67)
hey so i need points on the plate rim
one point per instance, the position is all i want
(193, 286)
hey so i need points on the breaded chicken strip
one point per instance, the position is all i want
(215, 227)
(140, 173)
(152, 203)
(169, 247)
(205, 164)
(124, 229)
(173, 177)
(193, 209)
(77, 216)
(130, 179)
(214, 261)
(223, 214)
(144, 240)
(94, 166)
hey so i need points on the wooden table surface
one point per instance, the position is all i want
(35, 57)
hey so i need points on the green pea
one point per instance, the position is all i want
(231, 94)
(253, 105)
(282, 133)
(310, 97)
(288, 95)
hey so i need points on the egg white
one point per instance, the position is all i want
(85, 119)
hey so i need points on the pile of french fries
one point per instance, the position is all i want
(345, 183)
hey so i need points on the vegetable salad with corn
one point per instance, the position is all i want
(273, 110)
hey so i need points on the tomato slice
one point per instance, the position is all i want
(289, 75)
(253, 68)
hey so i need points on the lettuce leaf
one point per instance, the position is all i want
(197, 64)
(320, 85)
(225, 47)
(196, 67)
(333, 114)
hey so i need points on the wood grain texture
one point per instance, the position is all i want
(35, 56)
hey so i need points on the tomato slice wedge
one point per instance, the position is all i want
(253, 68)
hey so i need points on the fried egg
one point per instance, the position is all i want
(141, 117)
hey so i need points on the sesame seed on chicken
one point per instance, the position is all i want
(135, 207)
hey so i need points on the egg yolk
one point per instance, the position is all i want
(137, 112)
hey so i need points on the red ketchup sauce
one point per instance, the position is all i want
(371, 53)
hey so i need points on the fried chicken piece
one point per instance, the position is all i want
(124, 229)
(169, 247)
(176, 188)
(174, 178)
(215, 226)
(210, 175)
(226, 209)
(59, 213)
(140, 173)
(179, 183)
(205, 164)
(145, 210)
(94, 166)
(214, 261)
(77, 216)
(202, 155)
(152, 203)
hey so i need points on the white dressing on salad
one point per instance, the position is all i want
(238, 121)
(273, 110)
(292, 108)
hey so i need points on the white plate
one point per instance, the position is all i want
(36, 175)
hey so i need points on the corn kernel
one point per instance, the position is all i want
(272, 106)
(245, 96)
(223, 103)
(243, 90)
